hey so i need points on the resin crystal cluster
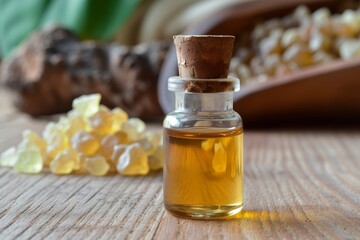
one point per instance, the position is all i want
(90, 139)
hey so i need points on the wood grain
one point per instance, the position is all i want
(298, 185)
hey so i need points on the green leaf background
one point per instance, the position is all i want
(90, 19)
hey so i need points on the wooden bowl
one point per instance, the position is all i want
(325, 94)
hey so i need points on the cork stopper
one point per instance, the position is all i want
(204, 56)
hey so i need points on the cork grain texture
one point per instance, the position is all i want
(204, 56)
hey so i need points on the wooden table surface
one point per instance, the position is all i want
(298, 185)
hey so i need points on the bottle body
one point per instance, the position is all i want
(203, 168)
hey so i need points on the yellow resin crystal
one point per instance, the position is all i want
(90, 139)
(150, 142)
(85, 143)
(79, 166)
(220, 159)
(87, 105)
(156, 160)
(119, 117)
(97, 165)
(133, 161)
(107, 145)
(117, 152)
(134, 128)
(65, 162)
(72, 124)
(56, 140)
(101, 122)
(33, 140)
(208, 144)
(29, 161)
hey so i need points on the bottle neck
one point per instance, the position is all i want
(204, 102)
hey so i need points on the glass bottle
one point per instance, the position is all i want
(203, 142)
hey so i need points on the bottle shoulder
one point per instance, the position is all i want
(223, 120)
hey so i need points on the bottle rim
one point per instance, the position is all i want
(181, 84)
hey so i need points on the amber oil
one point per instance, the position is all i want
(203, 174)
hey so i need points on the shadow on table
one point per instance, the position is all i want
(300, 213)
(304, 216)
